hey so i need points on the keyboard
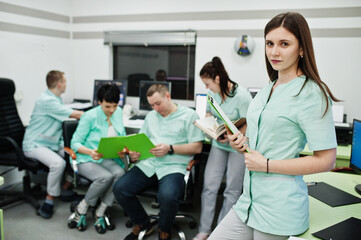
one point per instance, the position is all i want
(135, 117)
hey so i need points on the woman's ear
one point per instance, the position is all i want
(217, 79)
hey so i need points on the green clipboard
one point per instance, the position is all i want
(110, 146)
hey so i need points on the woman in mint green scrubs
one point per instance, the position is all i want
(223, 161)
(294, 109)
(105, 120)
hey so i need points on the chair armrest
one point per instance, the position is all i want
(74, 164)
(342, 169)
(20, 158)
(191, 164)
(70, 152)
(187, 175)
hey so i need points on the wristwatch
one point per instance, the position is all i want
(171, 150)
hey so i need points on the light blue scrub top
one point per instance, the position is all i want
(234, 107)
(277, 203)
(45, 127)
(175, 129)
(92, 126)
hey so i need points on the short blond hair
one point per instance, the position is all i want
(159, 88)
(53, 78)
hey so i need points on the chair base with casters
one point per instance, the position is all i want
(14, 157)
(187, 199)
(29, 195)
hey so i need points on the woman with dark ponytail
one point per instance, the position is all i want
(222, 160)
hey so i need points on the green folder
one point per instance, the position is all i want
(110, 146)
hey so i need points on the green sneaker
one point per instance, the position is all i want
(100, 225)
(77, 220)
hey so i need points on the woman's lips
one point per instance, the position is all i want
(275, 61)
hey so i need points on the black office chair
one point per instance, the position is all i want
(11, 153)
(80, 182)
(133, 83)
(190, 179)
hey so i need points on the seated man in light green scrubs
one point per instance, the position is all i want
(171, 129)
(43, 137)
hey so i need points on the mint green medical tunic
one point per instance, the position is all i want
(234, 107)
(277, 203)
(45, 127)
(92, 127)
(176, 129)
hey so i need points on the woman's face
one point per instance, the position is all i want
(283, 50)
(108, 107)
(211, 84)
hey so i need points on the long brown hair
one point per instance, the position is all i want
(216, 68)
(297, 25)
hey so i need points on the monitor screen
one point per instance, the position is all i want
(201, 104)
(143, 88)
(355, 162)
(122, 84)
(253, 91)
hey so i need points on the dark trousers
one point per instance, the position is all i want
(170, 190)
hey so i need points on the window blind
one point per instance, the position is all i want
(150, 38)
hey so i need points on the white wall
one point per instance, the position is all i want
(27, 58)
(338, 67)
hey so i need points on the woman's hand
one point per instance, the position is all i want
(237, 141)
(255, 161)
(134, 156)
(160, 150)
(95, 155)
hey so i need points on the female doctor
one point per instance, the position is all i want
(293, 109)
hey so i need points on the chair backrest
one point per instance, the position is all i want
(69, 127)
(10, 122)
(133, 82)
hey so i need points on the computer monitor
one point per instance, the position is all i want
(355, 161)
(253, 91)
(143, 88)
(122, 85)
(201, 104)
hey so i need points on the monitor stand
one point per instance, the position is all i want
(358, 188)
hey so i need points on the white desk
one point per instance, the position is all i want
(132, 126)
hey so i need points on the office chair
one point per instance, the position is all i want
(80, 182)
(11, 154)
(133, 83)
(188, 197)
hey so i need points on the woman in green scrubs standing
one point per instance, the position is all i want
(294, 109)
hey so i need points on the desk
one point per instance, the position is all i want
(343, 155)
(322, 215)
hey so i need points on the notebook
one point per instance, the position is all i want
(348, 229)
(330, 195)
